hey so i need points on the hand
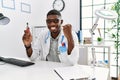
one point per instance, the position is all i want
(27, 37)
(67, 29)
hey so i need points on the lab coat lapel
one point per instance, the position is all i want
(62, 56)
(47, 44)
(62, 38)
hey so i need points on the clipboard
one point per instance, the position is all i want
(72, 73)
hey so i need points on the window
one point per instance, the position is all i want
(88, 19)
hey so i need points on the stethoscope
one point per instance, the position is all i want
(62, 48)
(62, 39)
(46, 38)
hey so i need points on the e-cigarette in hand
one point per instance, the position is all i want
(27, 28)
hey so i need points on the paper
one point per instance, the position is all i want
(72, 73)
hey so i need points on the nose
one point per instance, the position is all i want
(52, 23)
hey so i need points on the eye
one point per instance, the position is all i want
(48, 21)
(52, 20)
(56, 20)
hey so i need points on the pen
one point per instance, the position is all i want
(58, 74)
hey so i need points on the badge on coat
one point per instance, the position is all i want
(62, 48)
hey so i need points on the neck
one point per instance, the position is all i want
(55, 34)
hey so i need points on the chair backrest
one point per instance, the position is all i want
(36, 30)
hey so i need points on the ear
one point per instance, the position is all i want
(61, 21)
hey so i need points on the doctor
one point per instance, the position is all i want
(57, 43)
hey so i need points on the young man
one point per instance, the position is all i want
(56, 43)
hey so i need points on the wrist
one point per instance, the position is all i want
(27, 47)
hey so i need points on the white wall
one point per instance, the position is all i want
(11, 34)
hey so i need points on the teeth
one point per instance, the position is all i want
(53, 28)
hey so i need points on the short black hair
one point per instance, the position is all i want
(54, 12)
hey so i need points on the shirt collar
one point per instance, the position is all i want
(56, 37)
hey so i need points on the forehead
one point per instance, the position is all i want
(53, 17)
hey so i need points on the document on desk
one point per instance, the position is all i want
(72, 73)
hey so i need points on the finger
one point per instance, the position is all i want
(67, 25)
(27, 33)
(26, 36)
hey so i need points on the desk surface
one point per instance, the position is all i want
(42, 70)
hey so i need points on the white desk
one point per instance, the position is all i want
(42, 70)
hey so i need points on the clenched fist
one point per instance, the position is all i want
(67, 29)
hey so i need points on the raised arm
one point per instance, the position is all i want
(27, 39)
(67, 29)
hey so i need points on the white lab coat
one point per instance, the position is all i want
(42, 45)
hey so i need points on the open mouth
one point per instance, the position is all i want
(53, 28)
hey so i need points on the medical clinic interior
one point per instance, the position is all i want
(96, 24)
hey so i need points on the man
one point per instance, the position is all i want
(56, 43)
